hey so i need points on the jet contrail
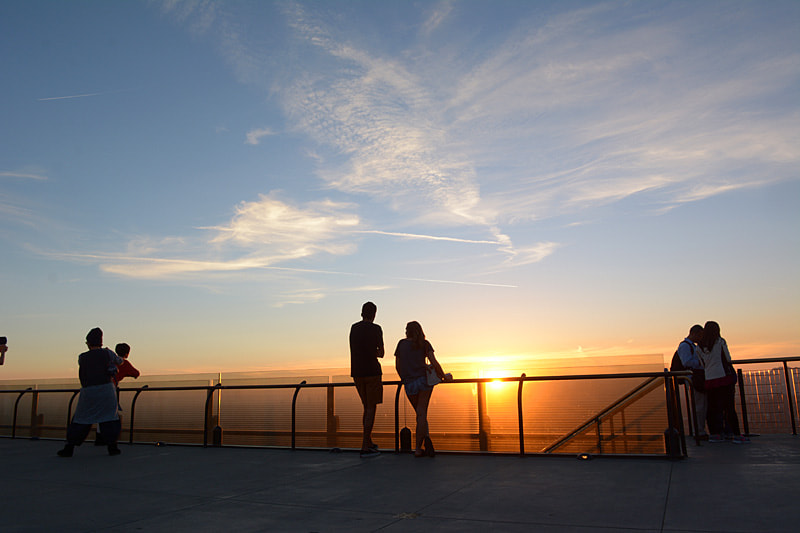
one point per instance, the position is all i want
(81, 95)
(427, 237)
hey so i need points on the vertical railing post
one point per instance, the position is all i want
(294, 411)
(519, 414)
(483, 418)
(133, 412)
(672, 442)
(207, 416)
(691, 406)
(743, 402)
(679, 416)
(34, 432)
(69, 408)
(397, 418)
(599, 436)
(790, 395)
(332, 422)
(16, 406)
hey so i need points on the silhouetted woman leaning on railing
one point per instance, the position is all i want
(410, 355)
(720, 386)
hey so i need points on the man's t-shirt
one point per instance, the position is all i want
(366, 338)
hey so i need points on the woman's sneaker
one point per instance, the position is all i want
(740, 439)
(716, 438)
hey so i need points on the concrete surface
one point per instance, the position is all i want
(719, 488)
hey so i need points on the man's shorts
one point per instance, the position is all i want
(370, 389)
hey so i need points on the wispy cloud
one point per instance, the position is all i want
(437, 15)
(307, 295)
(254, 136)
(152, 267)
(265, 234)
(24, 175)
(558, 115)
(456, 282)
(295, 231)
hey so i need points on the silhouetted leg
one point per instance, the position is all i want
(730, 409)
(368, 421)
(421, 407)
(76, 434)
(111, 430)
(701, 408)
(715, 411)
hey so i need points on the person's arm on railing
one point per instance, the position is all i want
(437, 367)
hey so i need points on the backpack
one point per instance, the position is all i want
(677, 364)
(698, 374)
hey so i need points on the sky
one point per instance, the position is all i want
(222, 184)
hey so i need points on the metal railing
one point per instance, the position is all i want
(666, 379)
(790, 394)
(789, 388)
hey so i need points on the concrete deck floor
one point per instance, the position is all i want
(720, 487)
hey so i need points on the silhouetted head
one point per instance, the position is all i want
(696, 333)
(415, 333)
(94, 338)
(710, 335)
(368, 311)
(122, 350)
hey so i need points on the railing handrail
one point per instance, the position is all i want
(221, 386)
(298, 386)
(765, 360)
(650, 376)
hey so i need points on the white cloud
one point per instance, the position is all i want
(573, 110)
(298, 231)
(24, 175)
(254, 136)
(437, 16)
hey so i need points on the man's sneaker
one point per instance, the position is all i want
(740, 439)
(369, 453)
(715, 438)
(114, 450)
(66, 451)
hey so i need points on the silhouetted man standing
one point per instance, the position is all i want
(97, 403)
(366, 346)
(687, 352)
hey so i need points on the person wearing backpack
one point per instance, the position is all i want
(687, 358)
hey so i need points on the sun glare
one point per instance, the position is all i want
(496, 383)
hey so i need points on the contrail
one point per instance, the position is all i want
(81, 95)
(461, 282)
(427, 237)
(72, 96)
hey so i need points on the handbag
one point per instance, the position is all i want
(731, 377)
(431, 376)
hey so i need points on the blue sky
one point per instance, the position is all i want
(223, 184)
